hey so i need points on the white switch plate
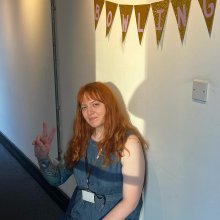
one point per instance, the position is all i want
(200, 90)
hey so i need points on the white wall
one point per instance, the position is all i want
(184, 135)
(26, 71)
(156, 82)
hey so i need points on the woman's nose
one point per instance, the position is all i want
(90, 111)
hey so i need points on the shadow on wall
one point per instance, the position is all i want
(141, 106)
(119, 97)
(139, 103)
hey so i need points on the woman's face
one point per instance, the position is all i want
(93, 112)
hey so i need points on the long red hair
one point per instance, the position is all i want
(117, 126)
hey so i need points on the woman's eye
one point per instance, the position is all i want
(83, 108)
(96, 104)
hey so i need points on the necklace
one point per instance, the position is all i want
(99, 153)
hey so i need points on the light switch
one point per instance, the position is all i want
(200, 90)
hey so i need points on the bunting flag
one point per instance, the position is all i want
(208, 10)
(181, 10)
(98, 5)
(110, 15)
(160, 13)
(141, 14)
(125, 11)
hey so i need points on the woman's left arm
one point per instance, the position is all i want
(133, 171)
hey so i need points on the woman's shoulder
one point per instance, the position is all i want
(133, 148)
(132, 144)
(132, 138)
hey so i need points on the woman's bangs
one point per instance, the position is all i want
(89, 95)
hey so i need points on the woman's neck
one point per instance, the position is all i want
(98, 134)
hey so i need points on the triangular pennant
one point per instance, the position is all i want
(160, 10)
(208, 10)
(125, 11)
(98, 5)
(141, 13)
(181, 11)
(110, 14)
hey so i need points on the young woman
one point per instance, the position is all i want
(105, 155)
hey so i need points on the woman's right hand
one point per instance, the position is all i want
(42, 143)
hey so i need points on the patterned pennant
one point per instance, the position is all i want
(141, 14)
(181, 10)
(98, 5)
(110, 14)
(125, 11)
(160, 10)
(208, 10)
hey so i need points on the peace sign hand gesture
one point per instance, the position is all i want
(42, 143)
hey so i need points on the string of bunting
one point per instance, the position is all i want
(181, 10)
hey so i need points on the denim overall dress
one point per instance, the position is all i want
(104, 182)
